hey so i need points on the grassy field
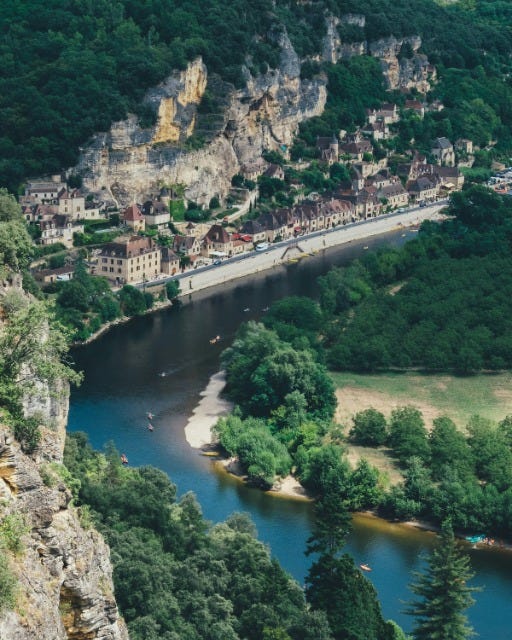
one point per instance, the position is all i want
(459, 398)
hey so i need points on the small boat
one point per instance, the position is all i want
(215, 340)
(265, 309)
(474, 539)
(150, 427)
(150, 415)
(366, 247)
(365, 567)
(246, 309)
(162, 374)
(124, 459)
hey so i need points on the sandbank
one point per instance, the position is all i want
(211, 407)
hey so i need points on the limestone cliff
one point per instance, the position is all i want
(131, 162)
(400, 72)
(64, 576)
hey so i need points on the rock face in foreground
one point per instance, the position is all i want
(63, 571)
(65, 585)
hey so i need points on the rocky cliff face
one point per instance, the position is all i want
(64, 574)
(131, 162)
(399, 72)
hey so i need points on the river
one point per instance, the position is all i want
(123, 380)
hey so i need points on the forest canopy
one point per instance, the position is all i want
(70, 68)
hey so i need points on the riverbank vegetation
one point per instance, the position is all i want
(443, 303)
(177, 576)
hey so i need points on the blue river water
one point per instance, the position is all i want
(123, 381)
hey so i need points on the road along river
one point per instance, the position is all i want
(123, 380)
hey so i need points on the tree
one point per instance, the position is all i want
(132, 301)
(443, 593)
(369, 428)
(407, 434)
(172, 289)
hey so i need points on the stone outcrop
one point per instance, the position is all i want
(400, 72)
(131, 162)
(64, 575)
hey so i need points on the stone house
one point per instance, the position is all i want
(422, 189)
(328, 148)
(44, 192)
(356, 150)
(378, 130)
(416, 106)
(59, 228)
(217, 240)
(133, 218)
(187, 245)
(442, 150)
(252, 170)
(254, 229)
(169, 261)
(47, 276)
(136, 259)
(387, 113)
(71, 203)
(274, 171)
(394, 194)
(156, 214)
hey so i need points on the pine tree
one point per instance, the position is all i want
(443, 593)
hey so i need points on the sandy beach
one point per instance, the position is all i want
(198, 434)
(211, 407)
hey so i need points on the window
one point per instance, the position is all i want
(111, 269)
(111, 261)
(119, 271)
(119, 262)
(103, 268)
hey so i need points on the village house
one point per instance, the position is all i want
(58, 228)
(39, 212)
(133, 218)
(253, 170)
(442, 150)
(43, 192)
(136, 259)
(393, 195)
(365, 202)
(378, 130)
(217, 241)
(253, 229)
(47, 276)
(277, 224)
(423, 189)
(187, 245)
(416, 106)
(274, 171)
(387, 113)
(156, 214)
(328, 148)
(71, 203)
(356, 150)
(169, 261)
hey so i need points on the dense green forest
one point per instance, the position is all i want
(177, 576)
(443, 302)
(70, 68)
